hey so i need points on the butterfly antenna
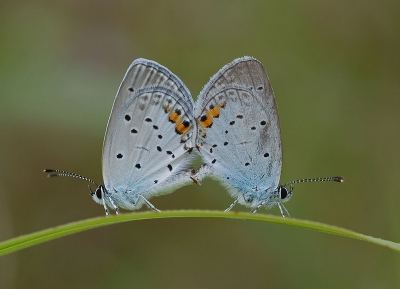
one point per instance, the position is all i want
(58, 173)
(330, 179)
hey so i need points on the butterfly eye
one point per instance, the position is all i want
(98, 192)
(284, 193)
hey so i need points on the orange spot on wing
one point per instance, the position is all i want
(181, 128)
(214, 112)
(206, 121)
(167, 109)
(174, 117)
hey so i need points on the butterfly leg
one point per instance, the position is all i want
(201, 173)
(149, 205)
(105, 207)
(234, 203)
(280, 205)
(113, 204)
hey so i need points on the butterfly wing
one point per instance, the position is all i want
(149, 133)
(238, 133)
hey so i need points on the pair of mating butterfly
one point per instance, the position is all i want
(155, 129)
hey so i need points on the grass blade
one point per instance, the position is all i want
(39, 237)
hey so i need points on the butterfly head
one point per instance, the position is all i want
(284, 194)
(267, 198)
(98, 194)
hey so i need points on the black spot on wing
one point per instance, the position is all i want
(171, 154)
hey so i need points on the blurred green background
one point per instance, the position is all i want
(335, 70)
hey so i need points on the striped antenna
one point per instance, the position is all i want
(58, 173)
(330, 179)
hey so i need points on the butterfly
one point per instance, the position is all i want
(148, 140)
(238, 136)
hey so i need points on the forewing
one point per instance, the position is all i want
(238, 131)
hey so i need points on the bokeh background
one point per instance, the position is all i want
(335, 70)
